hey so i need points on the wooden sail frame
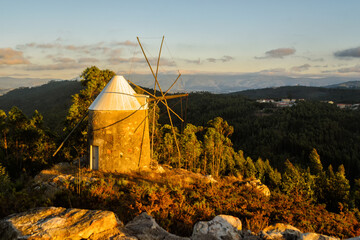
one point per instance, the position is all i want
(163, 98)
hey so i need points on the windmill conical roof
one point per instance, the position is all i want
(117, 95)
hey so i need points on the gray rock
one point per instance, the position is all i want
(315, 236)
(221, 227)
(60, 223)
(281, 231)
(354, 238)
(144, 227)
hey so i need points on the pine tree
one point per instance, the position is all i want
(250, 169)
(315, 163)
(297, 181)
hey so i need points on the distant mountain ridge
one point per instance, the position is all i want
(339, 95)
(9, 83)
(227, 83)
(215, 83)
(350, 84)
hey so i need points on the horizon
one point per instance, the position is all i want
(58, 40)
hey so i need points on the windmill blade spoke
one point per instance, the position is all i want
(152, 95)
(172, 128)
(169, 109)
(173, 84)
(158, 99)
(151, 69)
(158, 61)
(163, 98)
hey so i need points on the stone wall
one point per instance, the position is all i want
(122, 138)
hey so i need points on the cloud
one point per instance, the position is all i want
(349, 69)
(116, 52)
(312, 59)
(88, 60)
(273, 70)
(37, 45)
(117, 60)
(223, 59)
(10, 56)
(125, 43)
(64, 60)
(58, 66)
(347, 53)
(77, 48)
(197, 62)
(278, 53)
(136, 60)
(301, 68)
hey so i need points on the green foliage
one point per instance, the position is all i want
(52, 100)
(191, 148)
(178, 208)
(315, 163)
(5, 183)
(94, 80)
(25, 145)
(297, 181)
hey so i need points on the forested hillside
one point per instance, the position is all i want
(308, 155)
(52, 100)
(338, 95)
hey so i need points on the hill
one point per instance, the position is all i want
(9, 83)
(52, 100)
(175, 198)
(339, 95)
(350, 84)
(259, 130)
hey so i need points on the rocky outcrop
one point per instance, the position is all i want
(145, 227)
(60, 223)
(280, 231)
(254, 184)
(315, 236)
(220, 227)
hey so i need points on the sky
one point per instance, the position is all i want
(59, 39)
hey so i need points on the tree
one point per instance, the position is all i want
(94, 80)
(356, 193)
(5, 183)
(27, 146)
(336, 189)
(166, 151)
(217, 146)
(190, 148)
(272, 178)
(250, 169)
(315, 163)
(260, 169)
(297, 181)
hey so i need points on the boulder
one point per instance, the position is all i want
(280, 231)
(354, 238)
(144, 227)
(315, 236)
(60, 223)
(220, 227)
(254, 184)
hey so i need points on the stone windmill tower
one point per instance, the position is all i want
(118, 130)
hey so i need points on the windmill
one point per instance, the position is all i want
(118, 131)
(162, 98)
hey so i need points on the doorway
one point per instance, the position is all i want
(94, 157)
